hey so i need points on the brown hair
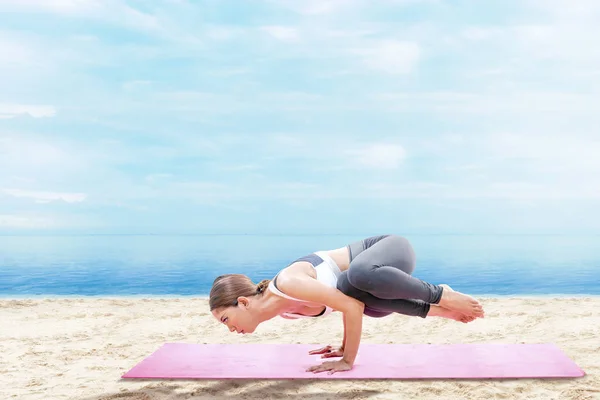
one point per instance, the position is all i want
(227, 288)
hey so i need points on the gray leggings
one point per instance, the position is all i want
(380, 276)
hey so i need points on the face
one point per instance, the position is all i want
(239, 318)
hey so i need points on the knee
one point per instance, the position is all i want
(344, 286)
(401, 242)
(358, 274)
(407, 258)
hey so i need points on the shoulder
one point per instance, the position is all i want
(296, 282)
(296, 271)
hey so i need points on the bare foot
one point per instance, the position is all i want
(456, 301)
(437, 311)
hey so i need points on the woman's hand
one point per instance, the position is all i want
(328, 351)
(331, 366)
(311, 290)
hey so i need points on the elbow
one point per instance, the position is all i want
(356, 307)
(360, 306)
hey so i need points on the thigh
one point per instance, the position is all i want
(377, 307)
(344, 286)
(391, 251)
(357, 247)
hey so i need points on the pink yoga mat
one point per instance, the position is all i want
(374, 361)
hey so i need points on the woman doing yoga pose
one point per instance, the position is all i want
(370, 277)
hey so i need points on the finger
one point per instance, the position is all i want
(322, 367)
(316, 368)
(321, 350)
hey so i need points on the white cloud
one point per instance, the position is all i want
(477, 33)
(241, 168)
(508, 101)
(207, 192)
(14, 221)
(464, 167)
(316, 7)
(550, 39)
(30, 162)
(327, 8)
(35, 111)
(378, 155)
(46, 197)
(32, 153)
(157, 177)
(391, 56)
(579, 11)
(45, 221)
(164, 22)
(45, 62)
(136, 85)
(223, 32)
(52, 6)
(350, 153)
(111, 10)
(214, 193)
(387, 190)
(283, 33)
(33, 162)
(506, 190)
(555, 153)
(15, 53)
(539, 164)
(566, 41)
(196, 104)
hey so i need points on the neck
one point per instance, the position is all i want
(270, 305)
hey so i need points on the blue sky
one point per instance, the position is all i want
(298, 117)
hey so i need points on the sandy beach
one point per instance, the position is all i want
(73, 348)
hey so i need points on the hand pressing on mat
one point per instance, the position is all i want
(331, 366)
(328, 351)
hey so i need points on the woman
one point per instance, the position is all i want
(368, 277)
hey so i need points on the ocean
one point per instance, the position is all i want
(186, 265)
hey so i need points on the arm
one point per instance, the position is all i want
(309, 289)
(345, 329)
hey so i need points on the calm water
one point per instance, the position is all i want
(187, 265)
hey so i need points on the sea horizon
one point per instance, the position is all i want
(185, 265)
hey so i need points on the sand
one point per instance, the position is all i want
(73, 348)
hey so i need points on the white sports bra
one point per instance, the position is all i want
(328, 273)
